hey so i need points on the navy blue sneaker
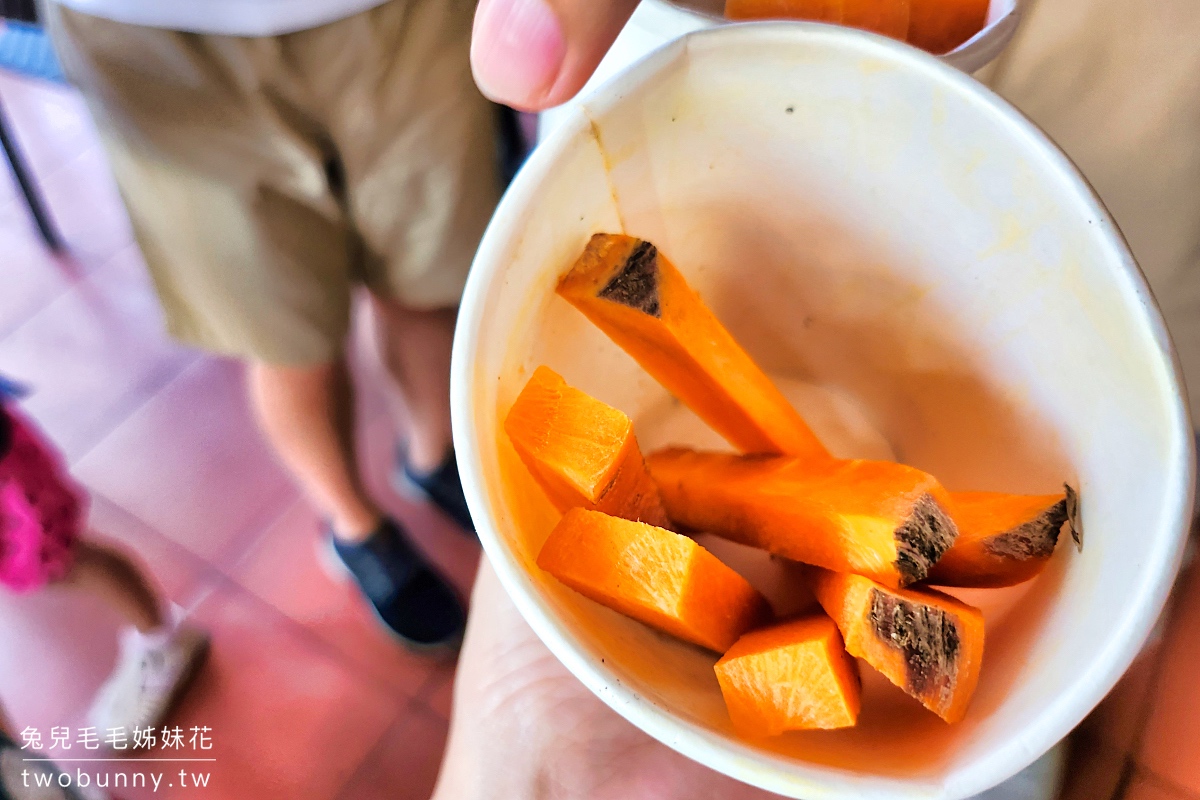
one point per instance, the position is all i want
(442, 487)
(410, 597)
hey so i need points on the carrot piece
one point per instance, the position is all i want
(939, 26)
(889, 17)
(582, 452)
(1003, 539)
(653, 575)
(875, 518)
(795, 675)
(925, 642)
(815, 10)
(637, 297)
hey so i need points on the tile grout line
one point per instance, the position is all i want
(187, 367)
(40, 308)
(401, 717)
(78, 274)
(208, 566)
(45, 180)
(261, 521)
(318, 643)
(93, 142)
(117, 424)
(206, 560)
(89, 141)
(372, 751)
(159, 378)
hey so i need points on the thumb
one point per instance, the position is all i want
(534, 54)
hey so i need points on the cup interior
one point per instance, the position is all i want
(932, 279)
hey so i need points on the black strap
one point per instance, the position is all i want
(20, 10)
(6, 431)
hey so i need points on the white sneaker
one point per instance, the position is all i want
(152, 672)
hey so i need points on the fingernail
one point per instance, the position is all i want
(517, 50)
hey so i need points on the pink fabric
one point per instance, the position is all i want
(40, 510)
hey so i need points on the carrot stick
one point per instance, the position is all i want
(581, 451)
(653, 575)
(795, 675)
(875, 518)
(1003, 539)
(637, 297)
(925, 642)
(889, 17)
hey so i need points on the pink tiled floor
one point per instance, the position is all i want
(306, 695)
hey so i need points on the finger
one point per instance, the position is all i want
(534, 54)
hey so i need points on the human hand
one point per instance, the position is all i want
(534, 54)
(524, 727)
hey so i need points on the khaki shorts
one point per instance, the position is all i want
(267, 177)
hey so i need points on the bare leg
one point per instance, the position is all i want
(308, 415)
(415, 346)
(111, 574)
(140, 690)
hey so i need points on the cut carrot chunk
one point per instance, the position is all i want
(1003, 539)
(874, 518)
(653, 575)
(925, 642)
(638, 298)
(792, 676)
(939, 26)
(889, 17)
(582, 452)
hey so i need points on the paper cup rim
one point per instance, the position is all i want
(736, 759)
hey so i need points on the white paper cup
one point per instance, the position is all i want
(866, 219)
(656, 22)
